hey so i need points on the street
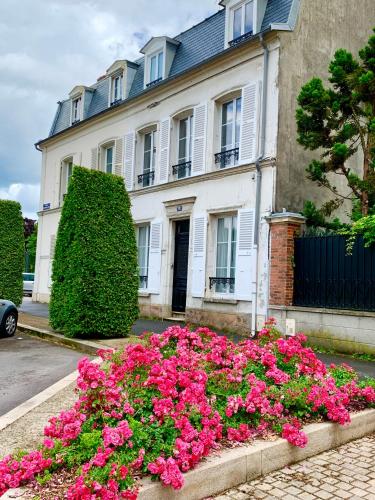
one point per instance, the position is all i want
(28, 366)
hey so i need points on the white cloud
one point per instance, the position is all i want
(26, 194)
(48, 47)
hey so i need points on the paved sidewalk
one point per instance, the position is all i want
(347, 472)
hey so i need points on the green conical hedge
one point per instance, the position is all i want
(12, 248)
(95, 270)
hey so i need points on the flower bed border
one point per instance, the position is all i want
(232, 467)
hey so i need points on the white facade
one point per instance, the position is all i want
(208, 194)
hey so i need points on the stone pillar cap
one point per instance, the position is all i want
(292, 217)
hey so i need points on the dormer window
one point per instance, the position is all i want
(76, 110)
(242, 22)
(156, 68)
(116, 89)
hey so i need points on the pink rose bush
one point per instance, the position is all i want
(159, 407)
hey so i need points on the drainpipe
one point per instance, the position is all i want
(259, 184)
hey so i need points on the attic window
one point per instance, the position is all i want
(76, 110)
(156, 68)
(242, 22)
(116, 88)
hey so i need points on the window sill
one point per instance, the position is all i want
(220, 300)
(143, 293)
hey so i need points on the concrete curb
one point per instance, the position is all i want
(85, 346)
(242, 464)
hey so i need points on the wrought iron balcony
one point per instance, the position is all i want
(226, 158)
(154, 82)
(240, 39)
(216, 280)
(146, 179)
(182, 169)
(143, 280)
(116, 101)
(75, 122)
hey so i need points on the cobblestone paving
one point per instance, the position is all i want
(347, 472)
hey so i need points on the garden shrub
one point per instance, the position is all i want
(12, 247)
(161, 406)
(95, 270)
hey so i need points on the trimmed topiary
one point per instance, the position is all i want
(95, 270)
(12, 248)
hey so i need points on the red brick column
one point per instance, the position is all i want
(283, 229)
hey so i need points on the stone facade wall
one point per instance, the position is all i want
(231, 322)
(344, 331)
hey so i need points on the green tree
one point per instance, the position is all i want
(340, 121)
(11, 251)
(95, 270)
(30, 246)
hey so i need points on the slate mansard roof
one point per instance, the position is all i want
(197, 44)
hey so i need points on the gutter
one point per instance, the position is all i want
(258, 36)
(258, 191)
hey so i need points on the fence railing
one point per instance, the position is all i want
(327, 277)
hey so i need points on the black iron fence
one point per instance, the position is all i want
(326, 276)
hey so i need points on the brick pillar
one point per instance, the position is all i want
(283, 228)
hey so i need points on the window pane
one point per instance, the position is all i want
(143, 252)
(108, 160)
(160, 65)
(237, 23)
(147, 153)
(182, 143)
(249, 12)
(153, 69)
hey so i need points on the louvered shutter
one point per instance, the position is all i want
(77, 157)
(165, 127)
(119, 155)
(198, 280)
(199, 139)
(129, 158)
(52, 245)
(94, 158)
(249, 123)
(154, 262)
(245, 258)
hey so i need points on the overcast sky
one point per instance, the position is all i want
(49, 46)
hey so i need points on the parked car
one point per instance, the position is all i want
(8, 318)
(28, 283)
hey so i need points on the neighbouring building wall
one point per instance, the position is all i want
(322, 28)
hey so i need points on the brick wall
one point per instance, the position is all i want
(283, 230)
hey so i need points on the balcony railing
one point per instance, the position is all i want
(116, 101)
(216, 280)
(143, 280)
(226, 158)
(146, 179)
(154, 82)
(240, 39)
(182, 169)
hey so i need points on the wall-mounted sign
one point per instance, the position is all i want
(179, 208)
(46, 206)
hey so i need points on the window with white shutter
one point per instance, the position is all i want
(199, 139)
(94, 158)
(245, 259)
(154, 271)
(249, 123)
(165, 127)
(129, 157)
(119, 155)
(198, 280)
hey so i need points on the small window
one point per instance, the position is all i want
(116, 92)
(108, 159)
(230, 133)
(66, 174)
(149, 159)
(143, 241)
(156, 67)
(243, 20)
(226, 242)
(76, 110)
(183, 169)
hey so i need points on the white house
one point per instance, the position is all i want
(196, 128)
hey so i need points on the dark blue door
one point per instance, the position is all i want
(181, 256)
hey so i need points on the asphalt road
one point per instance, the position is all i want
(28, 366)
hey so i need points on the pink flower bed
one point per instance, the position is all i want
(162, 406)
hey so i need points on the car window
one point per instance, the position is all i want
(28, 277)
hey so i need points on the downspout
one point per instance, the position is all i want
(259, 184)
